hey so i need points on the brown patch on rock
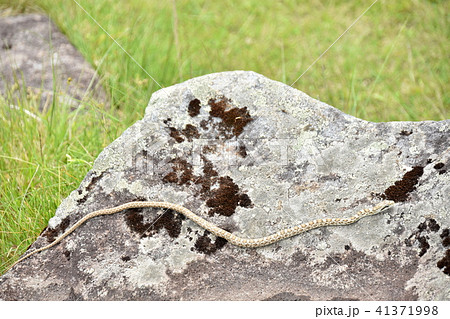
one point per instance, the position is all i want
(181, 172)
(439, 167)
(209, 175)
(423, 244)
(445, 237)
(206, 246)
(406, 133)
(51, 234)
(191, 132)
(194, 107)
(175, 134)
(234, 119)
(242, 151)
(222, 200)
(444, 263)
(169, 220)
(399, 192)
(430, 225)
(433, 225)
(226, 198)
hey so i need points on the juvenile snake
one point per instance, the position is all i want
(233, 239)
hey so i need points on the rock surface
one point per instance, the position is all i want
(35, 56)
(253, 156)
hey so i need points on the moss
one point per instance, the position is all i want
(205, 245)
(234, 119)
(399, 192)
(194, 107)
(169, 220)
(226, 198)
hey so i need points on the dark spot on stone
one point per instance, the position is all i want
(245, 201)
(433, 225)
(429, 161)
(406, 133)
(422, 226)
(242, 151)
(226, 198)
(408, 242)
(428, 226)
(389, 253)
(209, 174)
(135, 222)
(438, 166)
(166, 121)
(51, 234)
(208, 168)
(347, 247)
(223, 200)
(125, 258)
(445, 235)
(181, 172)
(67, 254)
(444, 263)
(169, 220)
(89, 188)
(442, 172)
(446, 242)
(204, 124)
(399, 192)
(194, 107)
(191, 132)
(175, 134)
(423, 244)
(234, 119)
(206, 246)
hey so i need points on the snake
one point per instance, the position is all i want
(231, 238)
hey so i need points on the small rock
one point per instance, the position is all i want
(35, 56)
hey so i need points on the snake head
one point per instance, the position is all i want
(384, 205)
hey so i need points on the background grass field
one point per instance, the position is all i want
(392, 65)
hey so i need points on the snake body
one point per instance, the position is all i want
(233, 239)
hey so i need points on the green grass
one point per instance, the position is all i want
(392, 65)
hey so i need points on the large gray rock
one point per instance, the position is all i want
(35, 58)
(253, 156)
